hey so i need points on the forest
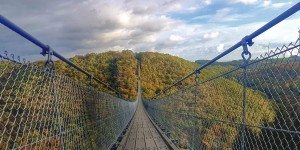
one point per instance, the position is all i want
(272, 83)
(277, 78)
(265, 78)
(272, 86)
(118, 70)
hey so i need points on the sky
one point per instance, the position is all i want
(191, 29)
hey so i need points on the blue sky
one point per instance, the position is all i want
(191, 29)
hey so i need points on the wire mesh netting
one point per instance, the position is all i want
(42, 110)
(253, 106)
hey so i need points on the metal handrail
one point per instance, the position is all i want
(46, 49)
(247, 40)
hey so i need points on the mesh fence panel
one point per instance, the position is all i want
(209, 114)
(42, 110)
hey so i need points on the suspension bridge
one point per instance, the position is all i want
(143, 132)
(260, 108)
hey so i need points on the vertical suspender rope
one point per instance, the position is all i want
(50, 67)
(197, 79)
(89, 99)
(246, 55)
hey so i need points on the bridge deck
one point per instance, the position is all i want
(142, 134)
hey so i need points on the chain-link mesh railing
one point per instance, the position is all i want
(254, 106)
(43, 110)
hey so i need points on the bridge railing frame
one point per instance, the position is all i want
(246, 41)
(46, 49)
(41, 109)
(159, 106)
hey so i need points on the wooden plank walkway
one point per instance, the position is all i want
(142, 134)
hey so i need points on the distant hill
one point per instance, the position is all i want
(119, 70)
(159, 71)
(231, 63)
(238, 63)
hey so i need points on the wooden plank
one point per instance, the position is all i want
(150, 143)
(130, 143)
(142, 134)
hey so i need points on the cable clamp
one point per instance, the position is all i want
(49, 63)
(245, 43)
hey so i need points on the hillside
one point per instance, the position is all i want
(227, 63)
(219, 98)
(237, 63)
(118, 69)
(278, 80)
(159, 71)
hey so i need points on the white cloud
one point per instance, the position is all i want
(75, 27)
(266, 3)
(220, 47)
(211, 35)
(283, 33)
(208, 2)
(223, 12)
(174, 7)
(193, 8)
(225, 15)
(202, 17)
(118, 34)
(176, 38)
(150, 38)
(279, 5)
(244, 1)
(270, 4)
(124, 18)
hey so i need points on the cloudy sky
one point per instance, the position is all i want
(191, 29)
